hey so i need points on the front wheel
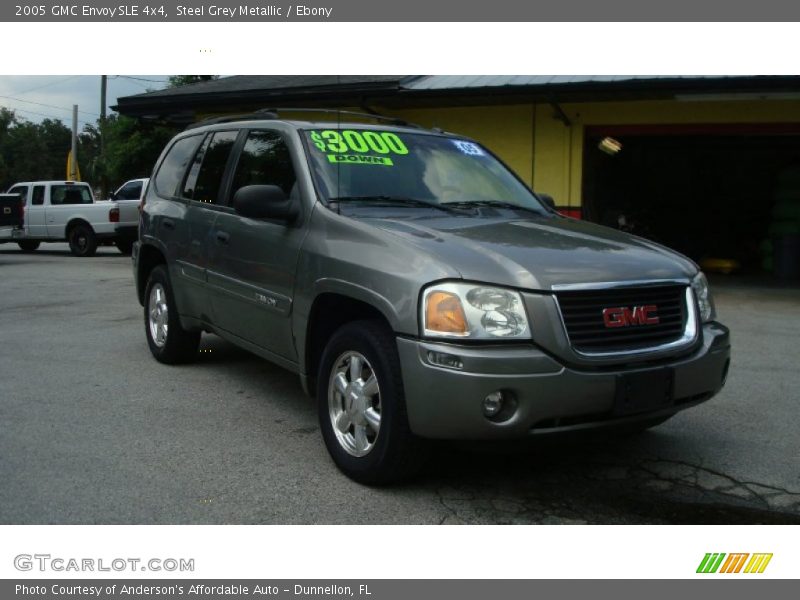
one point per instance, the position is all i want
(82, 241)
(361, 404)
(168, 341)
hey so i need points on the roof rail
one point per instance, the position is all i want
(351, 113)
(273, 113)
(259, 114)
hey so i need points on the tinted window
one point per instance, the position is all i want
(205, 175)
(265, 160)
(22, 190)
(170, 173)
(37, 198)
(70, 194)
(130, 191)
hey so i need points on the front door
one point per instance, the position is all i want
(252, 266)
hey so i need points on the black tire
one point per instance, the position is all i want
(178, 345)
(82, 241)
(28, 246)
(124, 246)
(396, 454)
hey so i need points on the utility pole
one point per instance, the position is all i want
(103, 175)
(73, 171)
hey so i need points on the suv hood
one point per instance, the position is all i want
(536, 253)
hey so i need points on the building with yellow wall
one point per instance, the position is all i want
(696, 157)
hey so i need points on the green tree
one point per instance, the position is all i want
(7, 120)
(132, 147)
(31, 151)
(179, 80)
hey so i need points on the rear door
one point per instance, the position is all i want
(252, 266)
(200, 192)
(34, 216)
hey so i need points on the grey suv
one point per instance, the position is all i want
(418, 288)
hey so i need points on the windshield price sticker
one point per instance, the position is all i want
(360, 159)
(468, 148)
(359, 147)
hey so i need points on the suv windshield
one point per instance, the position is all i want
(376, 166)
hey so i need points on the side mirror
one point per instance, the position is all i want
(264, 202)
(112, 196)
(547, 199)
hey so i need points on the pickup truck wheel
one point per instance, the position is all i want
(169, 342)
(82, 241)
(362, 410)
(28, 246)
(124, 246)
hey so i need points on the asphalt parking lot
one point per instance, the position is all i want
(93, 430)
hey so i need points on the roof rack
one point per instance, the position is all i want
(273, 113)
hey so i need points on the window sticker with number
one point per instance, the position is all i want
(351, 147)
(468, 148)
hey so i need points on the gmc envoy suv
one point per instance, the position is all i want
(418, 288)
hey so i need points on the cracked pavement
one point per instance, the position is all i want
(93, 430)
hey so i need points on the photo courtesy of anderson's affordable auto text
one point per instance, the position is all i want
(525, 305)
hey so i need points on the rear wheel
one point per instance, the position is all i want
(82, 241)
(361, 404)
(28, 246)
(168, 341)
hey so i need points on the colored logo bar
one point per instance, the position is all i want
(738, 562)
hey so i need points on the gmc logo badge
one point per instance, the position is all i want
(624, 316)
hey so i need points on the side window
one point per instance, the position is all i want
(37, 199)
(208, 168)
(173, 167)
(265, 160)
(22, 190)
(130, 191)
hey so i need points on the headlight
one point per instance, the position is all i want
(467, 310)
(704, 301)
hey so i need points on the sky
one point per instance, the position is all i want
(37, 97)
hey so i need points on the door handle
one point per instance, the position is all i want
(168, 224)
(223, 237)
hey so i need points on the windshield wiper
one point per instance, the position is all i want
(385, 200)
(493, 204)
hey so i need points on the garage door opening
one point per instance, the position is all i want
(709, 192)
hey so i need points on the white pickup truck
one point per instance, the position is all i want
(57, 211)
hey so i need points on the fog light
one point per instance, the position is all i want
(493, 404)
(442, 359)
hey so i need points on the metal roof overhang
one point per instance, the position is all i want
(184, 108)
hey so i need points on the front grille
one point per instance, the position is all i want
(582, 311)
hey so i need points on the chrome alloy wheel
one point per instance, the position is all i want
(354, 403)
(158, 315)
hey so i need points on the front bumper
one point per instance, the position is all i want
(443, 403)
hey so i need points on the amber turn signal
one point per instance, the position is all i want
(444, 314)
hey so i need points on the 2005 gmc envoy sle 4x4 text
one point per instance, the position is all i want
(417, 286)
